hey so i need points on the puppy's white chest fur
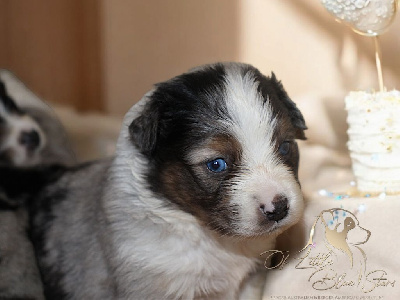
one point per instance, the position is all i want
(183, 266)
(166, 252)
(180, 259)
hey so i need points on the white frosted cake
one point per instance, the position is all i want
(374, 140)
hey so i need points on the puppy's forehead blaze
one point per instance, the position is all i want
(248, 127)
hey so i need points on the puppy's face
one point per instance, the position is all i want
(21, 138)
(220, 142)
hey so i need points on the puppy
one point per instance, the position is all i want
(28, 136)
(21, 138)
(204, 179)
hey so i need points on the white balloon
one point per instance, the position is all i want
(366, 17)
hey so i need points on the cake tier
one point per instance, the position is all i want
(374, 140)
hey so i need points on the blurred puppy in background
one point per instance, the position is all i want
(29, 136)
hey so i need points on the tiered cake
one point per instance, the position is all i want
(374, 140)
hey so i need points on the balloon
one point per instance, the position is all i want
(366, 17)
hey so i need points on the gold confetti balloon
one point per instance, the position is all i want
(366, 17)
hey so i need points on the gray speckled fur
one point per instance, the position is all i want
(76, 235)
(19, 275)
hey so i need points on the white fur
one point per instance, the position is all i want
(253, 124)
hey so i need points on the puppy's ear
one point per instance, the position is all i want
(6, 100)
(144, 130)
(295, 115)
(2, 89)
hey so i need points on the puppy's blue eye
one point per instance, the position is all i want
(217, 165)
(284, 148)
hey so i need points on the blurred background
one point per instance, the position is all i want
(102, 55)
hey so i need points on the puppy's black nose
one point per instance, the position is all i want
(280, 210)
(30, 139)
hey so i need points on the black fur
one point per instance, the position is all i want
(43, 210)
(177, 107)
(175, 103)
(7, 203)
(8, 103)
(271, 88)
(17, 183)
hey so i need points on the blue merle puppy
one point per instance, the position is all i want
(204, 178)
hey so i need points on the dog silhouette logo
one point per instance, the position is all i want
(333, 257)
(342, 233)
